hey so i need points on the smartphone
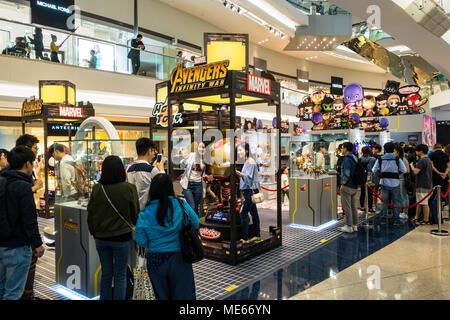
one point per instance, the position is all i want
(159, 157)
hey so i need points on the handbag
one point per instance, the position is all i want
(109, 200)
(191, 245)
(143, 289)
(257, 197)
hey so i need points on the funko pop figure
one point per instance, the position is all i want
(369, 104)
(393, 102)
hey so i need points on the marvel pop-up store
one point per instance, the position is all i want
(214, 85)
(58, 114)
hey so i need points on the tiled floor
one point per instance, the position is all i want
(213, 278)
(417, 266)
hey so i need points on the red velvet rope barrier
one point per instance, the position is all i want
(448, 189)
(391, 205)
(177, 178)
(275, 189)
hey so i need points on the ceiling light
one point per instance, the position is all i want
(272, 11)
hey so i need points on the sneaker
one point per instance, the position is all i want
(346, 228)
(355, 228)
(403, 215)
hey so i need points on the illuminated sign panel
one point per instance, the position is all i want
(53, 13)
(199, 77)
(32, 108)
(70, 112)
(258, 84)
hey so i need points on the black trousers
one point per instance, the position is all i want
(39, 55)
(135, 64)
(54, 57)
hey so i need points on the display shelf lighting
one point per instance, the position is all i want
(70, 294)
(311, 228)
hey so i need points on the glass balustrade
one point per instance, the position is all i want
(17, 39)
(317, 7)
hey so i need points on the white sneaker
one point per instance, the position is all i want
(355, 228)
(403, 215)
(346, 228)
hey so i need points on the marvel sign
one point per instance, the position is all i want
(70, 112)
(258, 84)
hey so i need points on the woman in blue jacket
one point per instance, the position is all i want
(157, 229)
(248, 184)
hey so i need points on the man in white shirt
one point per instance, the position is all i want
(65, 171)
(142, 171)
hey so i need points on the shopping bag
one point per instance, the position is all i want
(143, 289)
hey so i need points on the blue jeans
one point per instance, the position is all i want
(193, 194)
(14, 265)
(249, 206)
(114, 260)
(173, 280)
(391, 195)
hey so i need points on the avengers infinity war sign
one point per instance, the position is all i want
(211, 75)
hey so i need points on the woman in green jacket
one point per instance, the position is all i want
(112, 212)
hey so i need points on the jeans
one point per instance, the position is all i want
(14, 265)
(249, 206)
(348, 199)
(391, 195)
(173, 280)
(28, 292)
(114, 260)
(404, 196)
(193, 194)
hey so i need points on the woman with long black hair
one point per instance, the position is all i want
(249, 183)
(112, 212)
(158, 230)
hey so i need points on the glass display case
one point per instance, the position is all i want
(80, 168)
(77, 170)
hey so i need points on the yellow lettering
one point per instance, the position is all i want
(185, 75)
(203, 73)
(215, 74)
(210, 70)
(191, 74)
(175, 78)
(197, 74)
(223, 68)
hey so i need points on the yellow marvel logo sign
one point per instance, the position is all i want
(199, 77)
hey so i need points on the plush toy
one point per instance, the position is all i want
(327, 104)
(384, 123)
(353, 93)
(354, 119)
(393, 102)
(338, 106)
(369, 104)
(317, 119)
(403, 109)
(414, 102)
(391, 87)
(382, 108)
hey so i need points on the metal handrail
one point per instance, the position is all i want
(90, 38)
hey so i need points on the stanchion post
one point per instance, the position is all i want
(439, 232)
(366, 202)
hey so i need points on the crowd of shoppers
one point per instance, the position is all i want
(403, 175)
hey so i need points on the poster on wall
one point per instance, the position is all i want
(429, 131)
(356, 110)
(57, 14)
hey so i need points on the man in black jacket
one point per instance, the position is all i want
(135, 53)
(16, 251)
(38, 43)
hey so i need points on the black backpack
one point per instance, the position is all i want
(6, 229)
(359, 176)
(191, 245)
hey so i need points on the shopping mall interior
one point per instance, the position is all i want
(297, 80)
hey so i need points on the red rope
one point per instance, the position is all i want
(448, 189)
(275, 189)
(177, 178)
(391, 205)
